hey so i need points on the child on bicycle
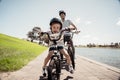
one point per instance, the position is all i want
(55, 28)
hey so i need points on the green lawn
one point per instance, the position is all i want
(16, 53)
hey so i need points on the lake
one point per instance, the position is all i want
(108, 56)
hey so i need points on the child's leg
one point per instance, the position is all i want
(47, 58)
(65, 53)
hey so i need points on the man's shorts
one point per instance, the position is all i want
(54, 48)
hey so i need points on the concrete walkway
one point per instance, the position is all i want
(85, 70)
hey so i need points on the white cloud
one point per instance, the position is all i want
(88, 22)
(95, 38)
(118, 23)
(86, 36)
(86, 39)
(90, 39)
(77, 20)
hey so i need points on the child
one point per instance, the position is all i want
(55, 27)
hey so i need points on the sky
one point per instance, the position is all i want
(98, 20)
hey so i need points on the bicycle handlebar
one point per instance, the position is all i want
(42, 33)
(54, 40)
(75, 32)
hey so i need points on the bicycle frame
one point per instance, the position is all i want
(55, 59)
(54, 68)
(70, 34)
(70, 46)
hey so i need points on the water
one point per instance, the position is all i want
(104, 55)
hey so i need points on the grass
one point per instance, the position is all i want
(16, 53)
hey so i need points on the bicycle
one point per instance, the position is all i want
(70, 47)
(54, 67)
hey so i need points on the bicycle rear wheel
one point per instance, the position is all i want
(71, 54)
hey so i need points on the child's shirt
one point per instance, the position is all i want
(56, 36)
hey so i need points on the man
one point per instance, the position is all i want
(67, 24)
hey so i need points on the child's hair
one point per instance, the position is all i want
(55, 20)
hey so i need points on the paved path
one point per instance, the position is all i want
(85, 70)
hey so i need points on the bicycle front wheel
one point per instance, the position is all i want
(54, 70)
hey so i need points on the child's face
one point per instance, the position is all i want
(55, 27)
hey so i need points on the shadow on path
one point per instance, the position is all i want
(42, 78)
(119, 78)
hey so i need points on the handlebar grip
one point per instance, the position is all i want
(42, 33)
(67, 29)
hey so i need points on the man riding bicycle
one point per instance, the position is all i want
(66, 24)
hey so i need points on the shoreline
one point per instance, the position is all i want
(97, 47)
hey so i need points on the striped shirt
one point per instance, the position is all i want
(56, 36)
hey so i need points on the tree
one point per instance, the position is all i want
(116, 45)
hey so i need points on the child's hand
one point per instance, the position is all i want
(42, 33)
(67, 29)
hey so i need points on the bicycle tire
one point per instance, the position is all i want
(73, 48)
(54, 65)
(71, 54)
(61, 56)
(58, 69)
(50, 73)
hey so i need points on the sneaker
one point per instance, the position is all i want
(44, 72)
(71, 69)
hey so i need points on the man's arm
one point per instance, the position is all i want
(72, 25)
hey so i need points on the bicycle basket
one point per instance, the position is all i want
(67, 36)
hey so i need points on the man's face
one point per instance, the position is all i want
(55, 27)
(62, 15)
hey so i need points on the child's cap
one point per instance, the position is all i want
(55, 20)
